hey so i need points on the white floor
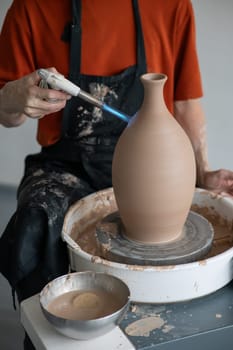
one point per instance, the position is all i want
(11, 331)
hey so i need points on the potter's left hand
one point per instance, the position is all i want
(219, 181)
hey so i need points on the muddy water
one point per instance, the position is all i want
(84, 305)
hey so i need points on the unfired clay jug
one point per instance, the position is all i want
(153, 170)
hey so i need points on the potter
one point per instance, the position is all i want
(153, 170)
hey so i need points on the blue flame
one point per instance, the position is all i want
(115, 112)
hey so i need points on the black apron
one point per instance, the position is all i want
(31, 249)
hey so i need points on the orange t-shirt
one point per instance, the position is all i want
(31, 39)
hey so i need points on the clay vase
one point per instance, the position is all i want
(153, 170)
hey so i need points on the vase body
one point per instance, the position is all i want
(153, 170)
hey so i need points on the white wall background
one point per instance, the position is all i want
(214, 26)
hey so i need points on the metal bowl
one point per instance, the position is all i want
(84, 283)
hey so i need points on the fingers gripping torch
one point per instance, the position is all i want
(58, 82)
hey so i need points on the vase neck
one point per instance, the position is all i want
(153, 91)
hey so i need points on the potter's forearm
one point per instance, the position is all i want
(8, 118)
(190, 116)
(11, 120)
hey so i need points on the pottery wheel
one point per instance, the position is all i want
(193, 244)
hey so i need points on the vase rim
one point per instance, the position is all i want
(154, 76)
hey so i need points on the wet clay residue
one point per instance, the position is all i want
(143, 327)
(152, 322)
(84, 305)
(83, 232)
(223, 230)
(223, 233)
(87, 241)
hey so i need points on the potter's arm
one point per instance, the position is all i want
(191, 117)
(9, 118)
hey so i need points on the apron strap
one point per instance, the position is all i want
(75, 58)
(141, 55)
(76, 40)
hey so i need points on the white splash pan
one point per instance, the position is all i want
(151, 284)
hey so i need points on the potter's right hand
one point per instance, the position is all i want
(23, 98)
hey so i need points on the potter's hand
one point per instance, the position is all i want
(219, 181)
(23, 98)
